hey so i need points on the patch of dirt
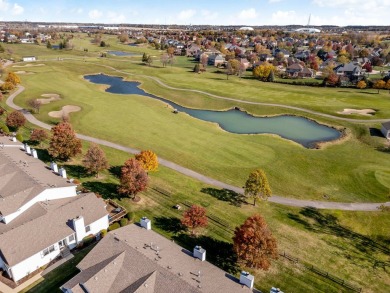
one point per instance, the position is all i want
(49, 98)
(24, 72)
(364, 112)
(66, 110)
(29, 65)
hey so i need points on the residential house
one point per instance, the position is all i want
(385, 129)
(302, 55)
(285, 53)
(216, 60)
(351, 69)
(297, 70)
(41, 214)
(29, 58)
(266, 57)
(135, 259)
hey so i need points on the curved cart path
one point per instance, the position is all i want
(203, 178)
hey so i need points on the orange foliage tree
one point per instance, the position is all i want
(95, 160)
(39, 135)
(254, 243)
(361, 85)
(380, 84)
(64, 144)
(194, 218)
(133, 178)
(12, 78)
(148, 160)
(15, 120)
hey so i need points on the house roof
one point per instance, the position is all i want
(46, 223)
(126, 261)
(23, 177)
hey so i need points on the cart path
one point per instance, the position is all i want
(205, 179)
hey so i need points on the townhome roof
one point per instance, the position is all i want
(127, 261)
(23, 177)
(47, 223)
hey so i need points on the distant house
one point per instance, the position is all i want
(216, 60)
(351, 70)
(29, 58)
(297, 70)
(266, 57)
(385, 129)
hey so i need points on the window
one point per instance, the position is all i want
(48, 250)
(71, 238)
(87, 229)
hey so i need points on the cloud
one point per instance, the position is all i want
(114, 17)
(208, 15)
(4, 5)
(247, 14)
(94, 14)
(274, 1)
(351, 3)
(186, 14)
(17, 9)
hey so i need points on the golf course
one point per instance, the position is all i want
(353, 168)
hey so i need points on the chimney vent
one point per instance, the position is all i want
(63, 172)
(199, 253)
(146, 223)
(14, 139)
(34, 153)
(54, 167)
(28, 149)
(247, 279)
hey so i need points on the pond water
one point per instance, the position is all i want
(121, 53)
(299, 129)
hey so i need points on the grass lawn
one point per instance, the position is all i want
(346, 171)
(59, 276)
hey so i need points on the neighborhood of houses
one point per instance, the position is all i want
(43, 217)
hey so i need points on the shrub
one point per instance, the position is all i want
(130, 216)
(19, 137)
(103, 233)
(123, 222)
(76, 181)
(113, 226)
(4, 128)
(88, 239)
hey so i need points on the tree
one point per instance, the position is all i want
(332, 79)
(256, 186)
(194, 218)
(95, 160)
(164, 59)
(133, 178)
(387, 86)
(12, 78)
(7, 86)
(39, 135)
(380, 84)
(48, 45)
(171, 51)
(102, 44)
(144, 57)
(204, 59)
(149, 60)
(35, 104)
(197, 68)
(368, 67)
(148, 160)
(123, 37)
(263, 71)
(64, 144)
(242, 69)
(361, 84)
(254, 243)
(15, 120)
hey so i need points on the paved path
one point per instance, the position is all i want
(203, 178)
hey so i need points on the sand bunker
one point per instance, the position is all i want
(49, 98)
(364, 112)
(65, 111)
(29, 65)
(24, 72)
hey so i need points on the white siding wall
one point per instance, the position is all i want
(47, 194)
(33, 263)
(385, 132)
(36, 261)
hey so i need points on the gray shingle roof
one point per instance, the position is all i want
(46, 229)
(125, 261)
(386, 125)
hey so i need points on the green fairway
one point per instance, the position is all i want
(343, 171)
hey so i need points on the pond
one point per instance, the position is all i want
(299, 129)
(121, 53)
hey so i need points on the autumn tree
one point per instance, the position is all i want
(170, 51)
(148, 160)
(144, 57)
(95, 160)
(64, 144)
(194, 218)
(263, 71)
(12, 78)
(123, 37)
(15, 120)
(204, 59)
(368, 67)
(256, 186)
(361, 84)
(164, 59)
(332, 79)
(7, 86)
(149, 60)
(387, 86)
(234, 65)
(380, 84)
(35, 104)
(254, 243)
(133, 178)
(39, 135)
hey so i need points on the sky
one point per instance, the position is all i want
(214, 12)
